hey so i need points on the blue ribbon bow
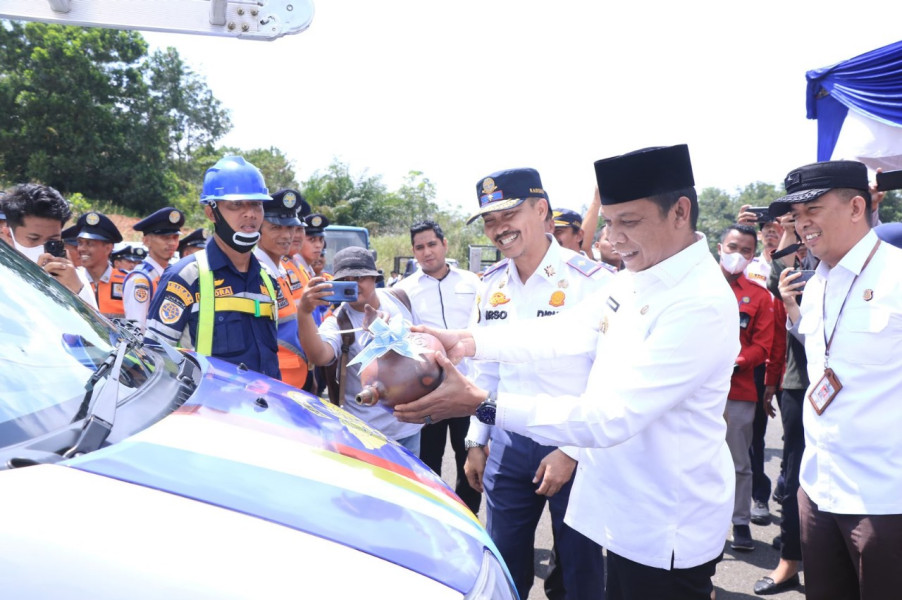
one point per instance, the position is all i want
(393, 335)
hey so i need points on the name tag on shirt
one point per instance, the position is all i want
(825, 391)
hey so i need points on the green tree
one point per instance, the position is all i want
(346, 200)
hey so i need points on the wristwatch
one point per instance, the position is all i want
(468, 443)
(485, 412)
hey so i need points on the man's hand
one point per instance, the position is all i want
(63, 270)
(458, 343)
(876, 195)
(554, 472)
(745, 217)
(474, 467)
(314, 291)
(769, 392)
(455, 397)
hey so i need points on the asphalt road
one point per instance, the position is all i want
(737, 572)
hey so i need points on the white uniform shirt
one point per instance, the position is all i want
(447, 303)
(853, 452)
(136, 293)
(378, 416)
(87, 292)
(560, 282)
(655, 478)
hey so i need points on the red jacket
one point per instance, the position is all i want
(756, 336)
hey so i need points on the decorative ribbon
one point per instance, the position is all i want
(393, 335)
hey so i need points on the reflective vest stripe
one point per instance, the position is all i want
(207, 304)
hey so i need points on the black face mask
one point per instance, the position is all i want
(239, 242)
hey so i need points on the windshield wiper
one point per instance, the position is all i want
(100, 403)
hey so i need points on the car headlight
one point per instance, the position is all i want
(492, 582)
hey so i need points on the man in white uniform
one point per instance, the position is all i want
(850, 501)
(655, 480)
(161, 236)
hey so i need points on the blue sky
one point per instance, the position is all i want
(460, 89)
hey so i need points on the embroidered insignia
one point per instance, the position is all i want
(557, 299)
(613, 304)
(603, 326)
(180, 291)
(92, 218)
(868, 295)
(549, 271)
(170, 312)
(116, 291)
(746, 299)
(316, 221)
(263, 290)
(223, 291)
(142, 293)
(289, 200)
(488, 185)
(498, 298)
(643, 310)
(174, 217)
(563, 284)
(218, 282)
(584, 265)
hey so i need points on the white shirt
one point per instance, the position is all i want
(87, 292)
(136, 293)
(758, 271)
(655, 478)
(560, 282)
(852, 462)
(378, 417)
(447, 303)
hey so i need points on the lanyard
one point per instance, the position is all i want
(842, 306)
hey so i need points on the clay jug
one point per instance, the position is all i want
(394, 379)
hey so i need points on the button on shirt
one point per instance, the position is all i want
(237, 337)
(378, 417)
(655, 480)
(852, 462)
(562, 279)
(446, 303)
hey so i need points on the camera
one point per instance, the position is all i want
(891, 180)
(55, 248)
(342, 291)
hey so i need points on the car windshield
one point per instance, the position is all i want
(52, 344)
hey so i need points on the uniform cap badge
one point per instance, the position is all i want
(92, 219)
(488, 185)
(174, 217)
(289, 200)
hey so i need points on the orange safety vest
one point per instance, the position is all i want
(297, 278)
(291, 363)
(109, 294)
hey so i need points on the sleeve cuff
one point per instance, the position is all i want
(512, 412)
(571, 451)
(487, 348)
(479, 432)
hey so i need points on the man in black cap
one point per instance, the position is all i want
(128, 257)
(161, 236)
(96, 234)
(314, 241)
(851, 323)
(191, 243)
(655, 481)
(520, 476)
(323, 345)
(568, 229)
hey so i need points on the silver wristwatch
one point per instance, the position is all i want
(468, 443)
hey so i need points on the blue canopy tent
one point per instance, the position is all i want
(858, 107)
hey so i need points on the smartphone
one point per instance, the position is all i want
(891, 180)
(806, 274)
(55, 248)
(762, 214)
(342, 291)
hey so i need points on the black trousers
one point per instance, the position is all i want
(433, 439)
(760, 481)
(629, 580)
(791, 403)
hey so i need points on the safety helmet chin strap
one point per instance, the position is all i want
(237, 241)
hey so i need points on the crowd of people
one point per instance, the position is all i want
(616, 374)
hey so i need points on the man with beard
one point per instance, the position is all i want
(222, 295)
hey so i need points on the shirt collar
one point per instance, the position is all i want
(674, 269)
(266, 261)
(218, 259)
(854, 260)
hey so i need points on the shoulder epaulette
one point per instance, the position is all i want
(585, 266)
(496, 267)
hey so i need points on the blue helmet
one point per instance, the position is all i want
(233, 178)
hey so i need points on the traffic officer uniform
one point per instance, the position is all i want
(231, 315)
(513, 508)
(108, 289)
(141, 282)
(316, 226)
(283, 210)
(195, 239)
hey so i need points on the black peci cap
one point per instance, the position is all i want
(813, 181)
(644, 173)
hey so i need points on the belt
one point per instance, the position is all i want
(244, 305)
